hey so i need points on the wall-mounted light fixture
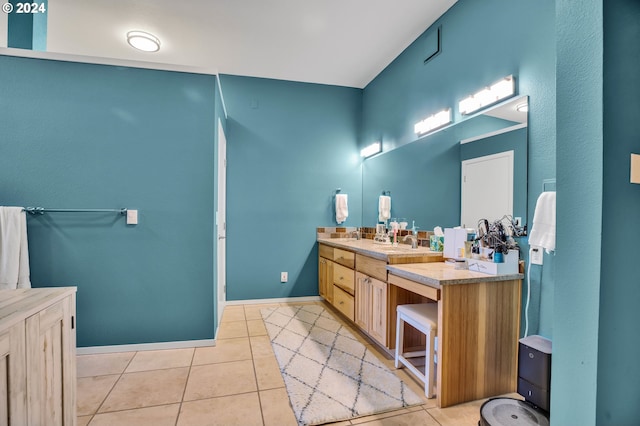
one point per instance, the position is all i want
(635, 168)
(143, 41)
(488, 96)
(370, 150)
(433, 122)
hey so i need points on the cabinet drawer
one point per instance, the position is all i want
(325, 251)
(344, 257)
(414, 287)
(344, 278)
(372, 267)
(343, 302)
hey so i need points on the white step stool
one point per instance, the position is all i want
(423, 317)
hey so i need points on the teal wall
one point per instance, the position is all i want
(92, 136)
(618, 344)
(20, 29)
(481, 42)
(290, 146)
(579, 212)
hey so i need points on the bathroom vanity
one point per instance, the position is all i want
(38, 356)
(478, 314)
(353, 278)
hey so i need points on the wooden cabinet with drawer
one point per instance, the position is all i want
(372, 267)
(344, 278)
(336, 278)
(344, 302)
(37, 357)
(343, 257)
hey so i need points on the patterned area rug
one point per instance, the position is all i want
(329, 375)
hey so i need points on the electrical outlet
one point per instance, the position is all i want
(284, 276)
(518, 221)
(535, 255)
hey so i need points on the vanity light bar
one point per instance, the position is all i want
(433, 122)
(370, 150)
(488, 96)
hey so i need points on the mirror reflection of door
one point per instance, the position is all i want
(487, 188)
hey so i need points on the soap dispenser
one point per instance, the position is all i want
(414, 232)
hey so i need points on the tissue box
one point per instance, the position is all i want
(508, 267)
(436, 243)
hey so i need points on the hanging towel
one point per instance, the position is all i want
(342, 211)
(14, 252)
(543, 231)
(384, 208)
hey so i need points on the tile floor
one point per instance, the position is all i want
(237, 382)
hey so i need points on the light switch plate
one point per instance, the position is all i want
(635, 168)
(132, 217)
(284, 277)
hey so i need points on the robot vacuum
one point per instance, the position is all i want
(511, 412)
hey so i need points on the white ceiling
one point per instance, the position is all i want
(339, 42)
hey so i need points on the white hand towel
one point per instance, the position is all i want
(14, 251)
(543, 231)
(342, 210)
(384, 208)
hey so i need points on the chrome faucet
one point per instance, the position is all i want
(356, 234)
(414, 240)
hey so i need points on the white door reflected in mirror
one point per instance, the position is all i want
(487, 188)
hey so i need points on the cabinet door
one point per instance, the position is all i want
(322, 277)
(362, 301)
(13, 377)
(51, 397)
(325, 279)
(378, 306)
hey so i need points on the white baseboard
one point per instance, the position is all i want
(90, 350)
(267, 301)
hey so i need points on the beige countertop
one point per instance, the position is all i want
(379, 251)
(16, 305)
(443, 273)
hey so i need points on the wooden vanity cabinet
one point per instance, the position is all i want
(336, 278)
(356, 285)
(37, 357)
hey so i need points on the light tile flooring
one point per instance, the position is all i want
(237, 382)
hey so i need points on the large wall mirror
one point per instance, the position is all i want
(424, 177)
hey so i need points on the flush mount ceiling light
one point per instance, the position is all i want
(488, 96)
(433, 122)
(524, 107)
(370, 150)
(143, 41)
